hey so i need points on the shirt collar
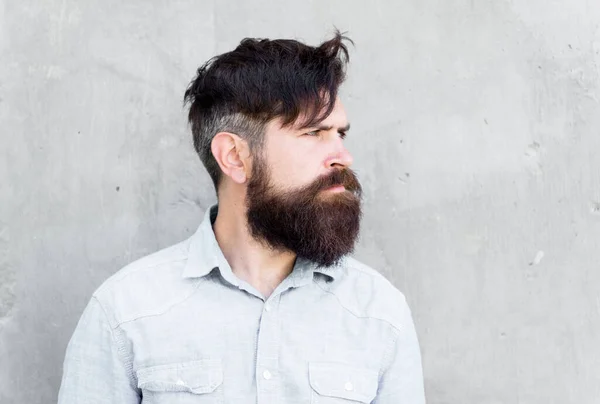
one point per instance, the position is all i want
(304, 270)
(206, 255)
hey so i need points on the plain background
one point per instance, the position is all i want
(475, 133)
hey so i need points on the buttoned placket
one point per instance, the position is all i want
(267, 352)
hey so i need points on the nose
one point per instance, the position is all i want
(340, 158)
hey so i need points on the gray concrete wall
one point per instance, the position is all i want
(475, 131)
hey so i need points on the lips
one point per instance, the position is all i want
(336, 188)
(338, 181)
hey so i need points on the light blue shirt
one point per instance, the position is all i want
(179, 327)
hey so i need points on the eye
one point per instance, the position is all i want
(312, 133)
(342, 134)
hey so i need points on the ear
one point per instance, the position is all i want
(232, 154)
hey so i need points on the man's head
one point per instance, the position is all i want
(269, 127)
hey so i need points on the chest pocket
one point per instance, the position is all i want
(334, 383)
(182, 383)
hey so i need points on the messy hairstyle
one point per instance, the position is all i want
(261, 80)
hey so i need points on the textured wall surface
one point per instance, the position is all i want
(475, 133)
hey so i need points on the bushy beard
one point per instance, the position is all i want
(318, 225)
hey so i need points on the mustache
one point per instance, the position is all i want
(345, 177)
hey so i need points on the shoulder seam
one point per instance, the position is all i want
(392, 325)
(183, 299)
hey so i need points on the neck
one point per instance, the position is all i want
(250, 260)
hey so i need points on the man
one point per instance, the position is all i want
(262, 304)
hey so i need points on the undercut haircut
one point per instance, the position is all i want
(261, 80)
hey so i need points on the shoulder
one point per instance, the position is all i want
(365, 292)
(146, 286)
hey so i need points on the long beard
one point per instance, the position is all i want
(318, 225)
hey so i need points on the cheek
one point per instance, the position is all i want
(293, 169)
(293, 161)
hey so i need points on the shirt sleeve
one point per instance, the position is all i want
(95, 368)
(402, 379)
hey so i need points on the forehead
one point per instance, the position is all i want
(337, 118)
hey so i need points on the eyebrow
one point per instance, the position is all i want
(329, 127)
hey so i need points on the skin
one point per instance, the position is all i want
(295, 157)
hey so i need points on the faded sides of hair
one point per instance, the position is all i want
(262, 80)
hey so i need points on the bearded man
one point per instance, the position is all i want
(263, 304)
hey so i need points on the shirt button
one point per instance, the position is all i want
(267, 374)
(348, 386)
(267, 307)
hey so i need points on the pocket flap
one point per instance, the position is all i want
(198, 377)
(343, 381)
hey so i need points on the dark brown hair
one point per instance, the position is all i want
(260, 80)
